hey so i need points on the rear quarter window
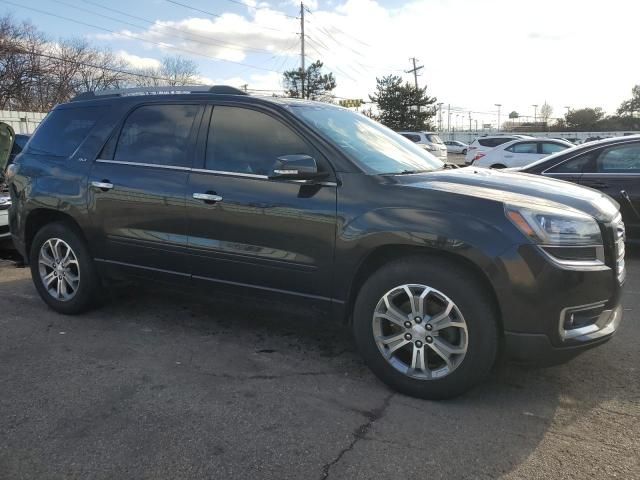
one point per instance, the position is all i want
(63, 131)
(494, 142)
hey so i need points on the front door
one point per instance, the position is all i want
(251, 231)
(138, 189)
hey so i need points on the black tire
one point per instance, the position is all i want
(89, 284)
(470, 297)
(464, 152)
(498, 166)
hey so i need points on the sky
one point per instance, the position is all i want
(476, 53)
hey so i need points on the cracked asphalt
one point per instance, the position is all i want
(159, 385)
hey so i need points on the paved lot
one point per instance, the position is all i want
(160, 386)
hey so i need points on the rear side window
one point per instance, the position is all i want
(63, 130)
(157, 135)
(527, 147)
(548, 148)
(434, 138)
(414, 138)
(575, 165)
(245, 141)
(494, 142)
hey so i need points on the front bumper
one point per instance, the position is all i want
(538, 349)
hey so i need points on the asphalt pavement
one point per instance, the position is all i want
(162, 385)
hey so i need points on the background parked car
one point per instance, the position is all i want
(7, 142)
(482, 144)
(430, 141)
(518, 153)
(454, 146)
(611, 166)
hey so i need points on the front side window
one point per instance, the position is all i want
(528, 147)
(411, 136)
(63, 130)
(157, 135)
(245, 141)
(374, 147)
(624, 159)
(547, 148)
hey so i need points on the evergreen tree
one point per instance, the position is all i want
(317, 85)
(402, 106)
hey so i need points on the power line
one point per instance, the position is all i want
(263, 8)
(161, 44)
(221, 43)
(220, 16)
(345, 33)
(98, 67)
(205, 39)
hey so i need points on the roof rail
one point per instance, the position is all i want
(182, 89)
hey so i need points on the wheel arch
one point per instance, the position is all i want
(40, 217)
(387, 253)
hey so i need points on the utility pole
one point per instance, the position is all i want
(302, 68)
(245, 87)
(414, 70)
(469, 121)
(440, 116)
(449, 118)
(498, 105)
(535, 113)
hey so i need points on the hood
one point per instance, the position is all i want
(514, 187)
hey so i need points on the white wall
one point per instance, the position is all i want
(22, 122)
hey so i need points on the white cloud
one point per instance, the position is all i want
(475, 54)
(138, 62)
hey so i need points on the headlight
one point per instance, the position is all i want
(554, 226)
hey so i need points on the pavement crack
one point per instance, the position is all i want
(358, 434)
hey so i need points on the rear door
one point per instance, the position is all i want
(138, 188)
(522, 153)
(259, 233)
(616, 172)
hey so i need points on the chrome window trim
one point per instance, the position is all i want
(213, 172)
(153, 165)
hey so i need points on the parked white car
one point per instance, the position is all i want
(430, 141)
(482, 144)
(520, 152)
(454, 146)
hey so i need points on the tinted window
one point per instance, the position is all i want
(62, 131)
(157, 134)
(575, 165)
(411, 136)
(548, 148)
(527, 147)
(246, 141)
(624, 159)
(494, 142)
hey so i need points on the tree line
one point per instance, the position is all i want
(37, 73)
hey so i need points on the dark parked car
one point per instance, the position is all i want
(611, 166)
(436, 270)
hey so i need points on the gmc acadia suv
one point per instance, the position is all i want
(436, 270)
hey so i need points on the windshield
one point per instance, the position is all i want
(371, 145)
(433, 138)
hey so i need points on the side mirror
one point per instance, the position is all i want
(296, 167)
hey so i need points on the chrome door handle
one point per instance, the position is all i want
(102, 185)
(207, 197)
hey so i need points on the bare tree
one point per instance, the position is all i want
(173, 71)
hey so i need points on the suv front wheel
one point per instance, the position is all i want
(426, 327)
(62, 269)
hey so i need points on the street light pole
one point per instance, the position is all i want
(535, 113)
(498, 105)
(568, 110)
(440, 116)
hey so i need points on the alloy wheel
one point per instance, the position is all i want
(59, 269)
(420, 331)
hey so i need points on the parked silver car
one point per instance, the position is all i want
(430, 141)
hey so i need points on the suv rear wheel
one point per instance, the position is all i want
(426, 327)
(62, 269)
